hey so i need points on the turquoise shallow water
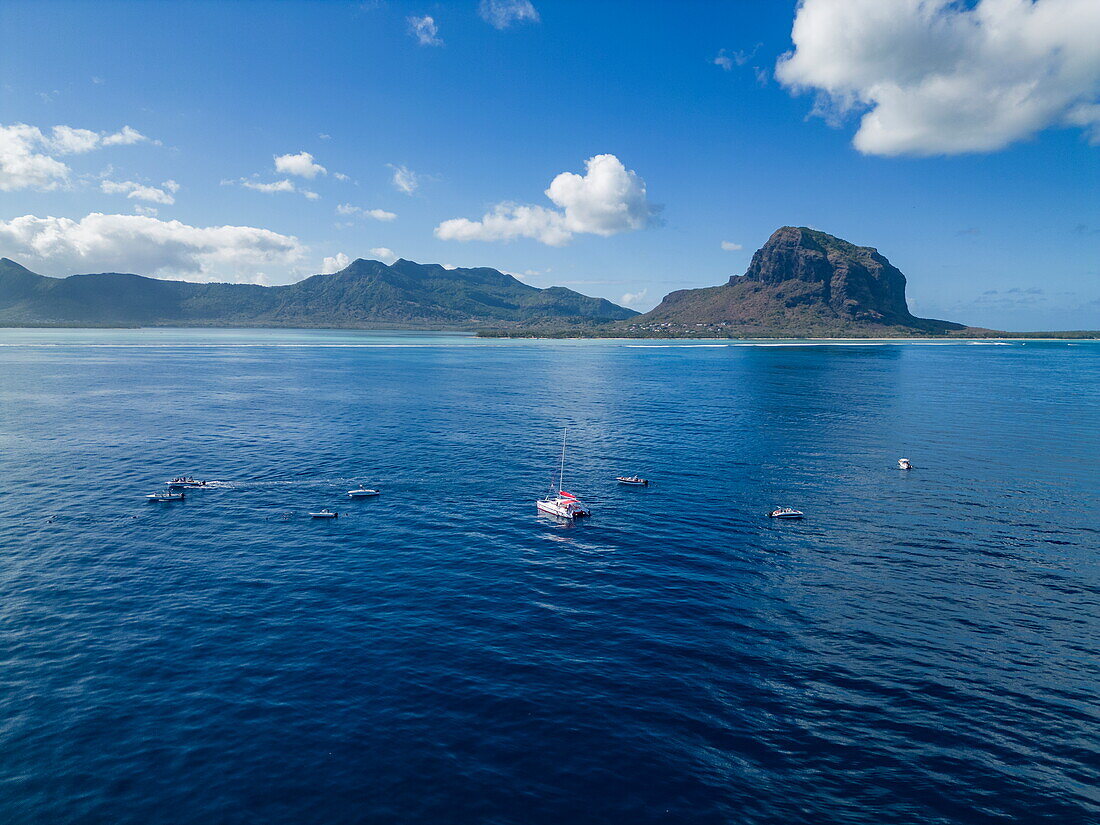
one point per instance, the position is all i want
(922, 648)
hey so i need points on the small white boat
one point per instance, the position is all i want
(185, 482)
(363, 492)
(785, 512)
(905, 464)
(167, 495)
(326, 513)
(632, 481)
(562, 504)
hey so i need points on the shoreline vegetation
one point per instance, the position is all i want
(816, 335)
(612, 334)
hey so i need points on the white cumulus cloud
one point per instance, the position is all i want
(729, 246)
(141, 191)
(384, 254)
(633, 298)
(425, 30)
(334, 264)
(27, 153)
(302, 164)
(501, 14)
(149, 246)
(606, 200)
(943, 77)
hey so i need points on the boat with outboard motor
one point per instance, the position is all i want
(363, 492)
(632, 481)
(185, 482)
(167, 495)
(326, 513)
(785, 512)
(905, 464)
(561, 503)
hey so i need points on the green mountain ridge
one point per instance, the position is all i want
(365, 293)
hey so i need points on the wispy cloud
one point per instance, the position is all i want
(404, 178)
(500, 14)
(348, 209)
(141, 191)
(425, 31)
(728, 59)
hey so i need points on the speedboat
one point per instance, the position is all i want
(185, 482)
(561, 503)
(905, 464)
(326, 513)
(362, 492)
(167, 495)
(785, 512)
(633, 481)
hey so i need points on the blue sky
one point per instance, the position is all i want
(986, 200)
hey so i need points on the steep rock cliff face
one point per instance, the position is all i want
(802, 282)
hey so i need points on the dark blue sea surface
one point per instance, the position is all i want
(923, 648)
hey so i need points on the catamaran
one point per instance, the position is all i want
(562, 504)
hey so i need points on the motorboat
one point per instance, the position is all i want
(785, 512)
(326, 513)
(185, 482)
(560, 503)
(167, 495)
(905, 464)
(632, 481)
(363, 492)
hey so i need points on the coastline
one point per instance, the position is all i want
(469, 335)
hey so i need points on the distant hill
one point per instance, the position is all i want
(802, 282)
(366, 293)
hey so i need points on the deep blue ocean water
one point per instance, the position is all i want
(923, 648)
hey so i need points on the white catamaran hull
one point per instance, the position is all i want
(562, 509)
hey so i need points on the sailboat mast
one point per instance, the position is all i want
(561, 475)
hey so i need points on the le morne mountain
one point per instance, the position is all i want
(365, 294)
(802, 282)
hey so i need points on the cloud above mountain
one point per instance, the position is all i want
(939, 77)
(607, 200)
(139, 243)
